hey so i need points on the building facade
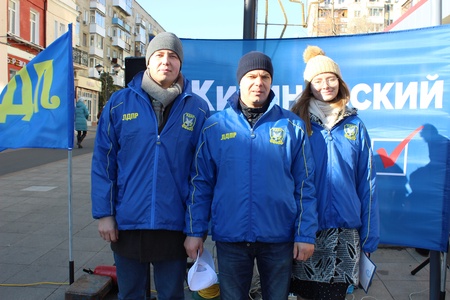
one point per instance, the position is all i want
(25, 35)
(422, 13)
(338, 17)
(4, 78)
(105, 32)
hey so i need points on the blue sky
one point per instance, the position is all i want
(222, 19)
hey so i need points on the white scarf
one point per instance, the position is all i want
(329, 113)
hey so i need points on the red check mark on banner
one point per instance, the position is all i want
(389, 160)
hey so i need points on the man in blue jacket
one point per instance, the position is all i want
(253, 174)
(144, 147)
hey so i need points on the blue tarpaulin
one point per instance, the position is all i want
(400, 83)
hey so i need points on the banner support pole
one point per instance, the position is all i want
(435, 274)
(69, 190)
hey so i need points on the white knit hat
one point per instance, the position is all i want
(317, 63)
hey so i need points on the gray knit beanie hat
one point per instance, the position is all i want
(254, 60)
(164, 41)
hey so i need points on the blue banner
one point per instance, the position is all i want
(398, 83)
(37, 105)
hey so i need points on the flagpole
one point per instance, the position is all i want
(71, 263)
(70, 134)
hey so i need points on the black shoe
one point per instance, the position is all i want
(79, 146)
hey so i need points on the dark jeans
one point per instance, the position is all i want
(132, 278)
(236, 263)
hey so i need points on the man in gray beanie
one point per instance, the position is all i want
(144, 147)
(253, 175)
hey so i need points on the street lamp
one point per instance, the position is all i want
(117, 68)
(107, 83)
(99, 69)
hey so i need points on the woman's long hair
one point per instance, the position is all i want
(301, 105)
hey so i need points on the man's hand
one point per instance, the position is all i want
(303, 251)
(107, 228)
(193, 245)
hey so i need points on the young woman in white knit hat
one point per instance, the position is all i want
(345, 182)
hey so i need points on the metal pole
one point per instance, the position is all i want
(69, 188)
(250, 19)
(436, 12)
(435, 274)
(443, 275)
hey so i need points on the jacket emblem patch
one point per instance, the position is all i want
(351, 131)
(277, 136)
(188, 121)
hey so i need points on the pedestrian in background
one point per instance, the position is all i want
(81, 116)
(345, 182)
(253, 175)
(143, 151)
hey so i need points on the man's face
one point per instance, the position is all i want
(164, 66)
(255, 88)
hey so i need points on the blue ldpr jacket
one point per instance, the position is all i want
(255, 183)
(139, 176)
(345, 179)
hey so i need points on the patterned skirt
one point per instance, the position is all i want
(335, 258)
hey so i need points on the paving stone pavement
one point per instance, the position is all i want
(34, 239)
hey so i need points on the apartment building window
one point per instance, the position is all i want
(84, 40)
(357, 13)
(34, 27)
(376, 12)
(142, 48)
(62, 29)
(98, 19)
(128, 38)
(12, 73)
(99, 42)
(55, 30)
(324, 13)
(13, 14)
(77, 34)
(141, 33)
(129, 5)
